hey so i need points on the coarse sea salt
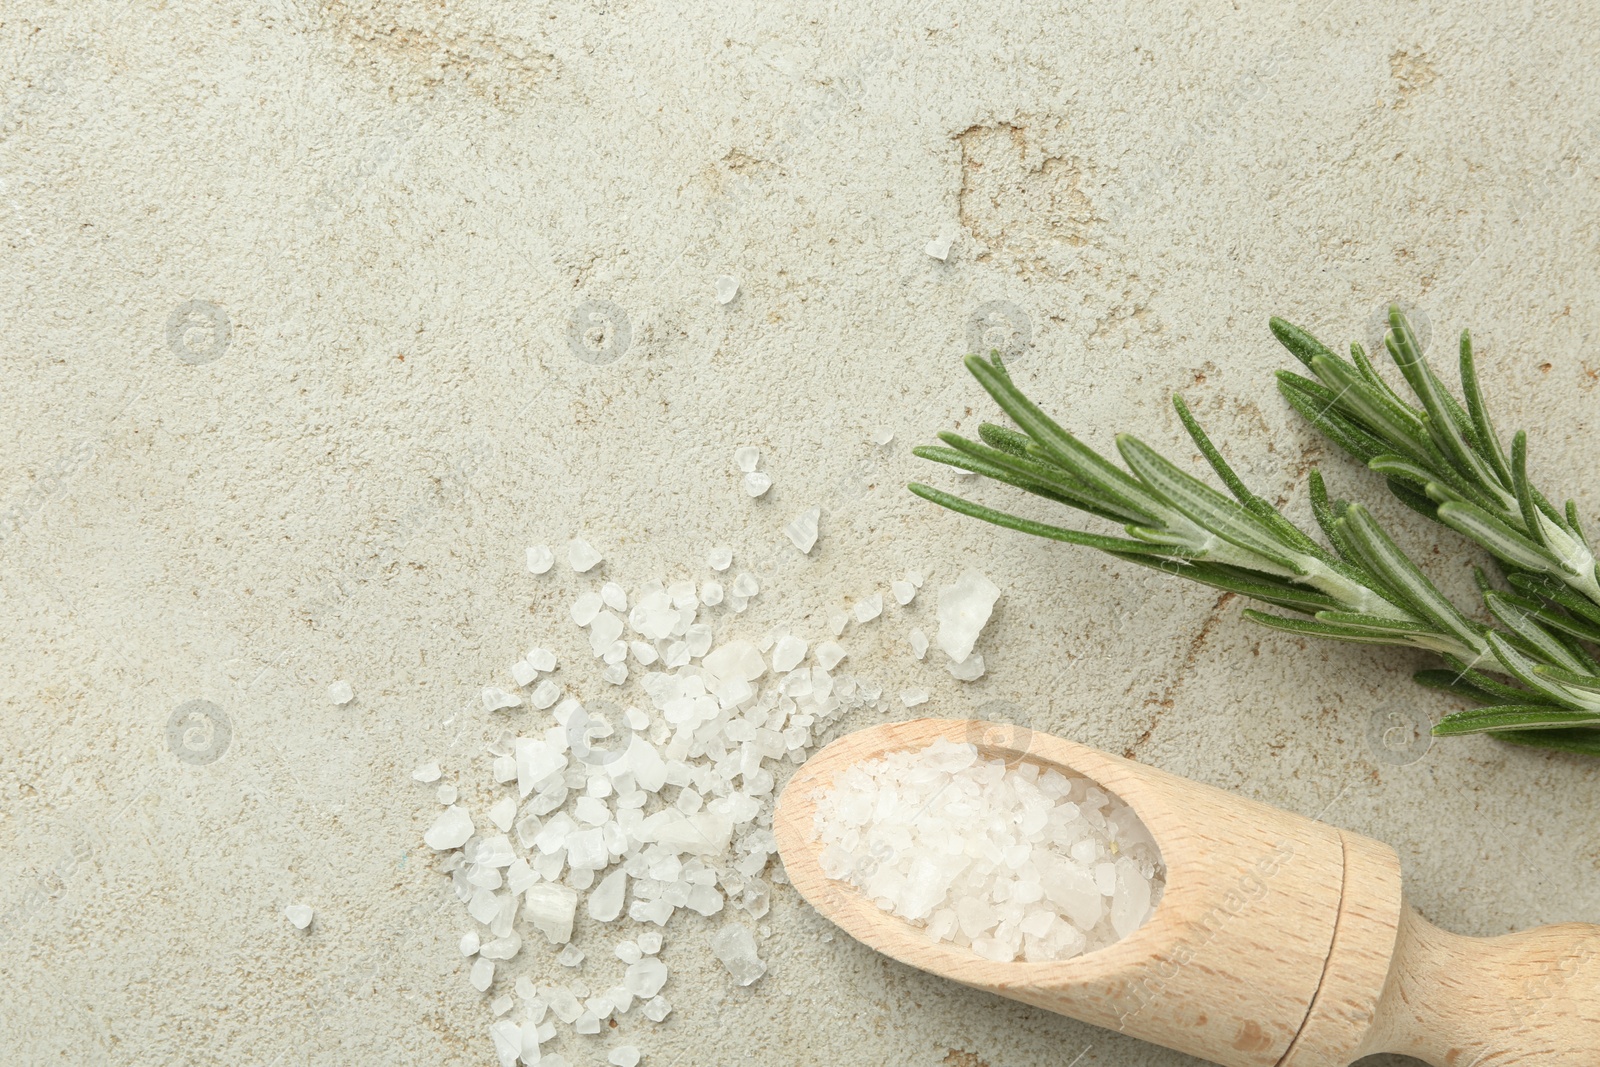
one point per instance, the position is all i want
(340, 693)
(802, 530)
(631, 812)
(581, 555)
(964, 609)
(1018, 862)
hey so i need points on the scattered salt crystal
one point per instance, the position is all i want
(507, 1037)
(545, 694)
(571, 956)
(904, 592)
(628, 951)
(588, 1023)
(645, 978)
(563, 1002)
(711, 593)
(502, 948)
(650, 942)
(736, 948)
(788, 653)
(540, 559)
(428, 772)
(469, 943)
(502, 1004)
(614, 596)
(299, 914)
(450, 830)
(505, 769)
(869, 608)
(720, 558)
(586, 607)
(756, 483)
(969, 669)
(523, 672)
(656, 1009)
(912, 697)
(978, 854)
(482, 974)
(802, 529)
(624, 1056)
(495, 698)
(340, 693)
(919, 642)
(550, 907)
(964, 609)
(581, 556)
(882, 436)
(745, 585)
(605, 901)
(542, 659)
(939, 247)
(727, 288)
(838, 621)
(828, 654)
(503, 811)
(616, 674)
(746, 458)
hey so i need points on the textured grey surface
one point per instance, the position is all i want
(393, 210)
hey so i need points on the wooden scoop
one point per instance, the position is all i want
(1280, 940)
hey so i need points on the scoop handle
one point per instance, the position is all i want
(1529, 999)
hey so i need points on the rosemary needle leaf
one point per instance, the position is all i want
(1255, 586)
(1317, 405)
(1519, 481)
(1066, 450)
(1203, 504)
(1506, 543)
(1300, 343)
(1452, 682)
(1323, 629)
(1511, 717)
(1488, 440)
(1203, 441)
(1038, 529)
(1383, 557)
(1004, 438)
(1580, 740)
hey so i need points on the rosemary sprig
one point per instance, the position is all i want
(1540, 683)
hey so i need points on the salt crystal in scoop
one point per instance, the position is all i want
(1012, 863)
